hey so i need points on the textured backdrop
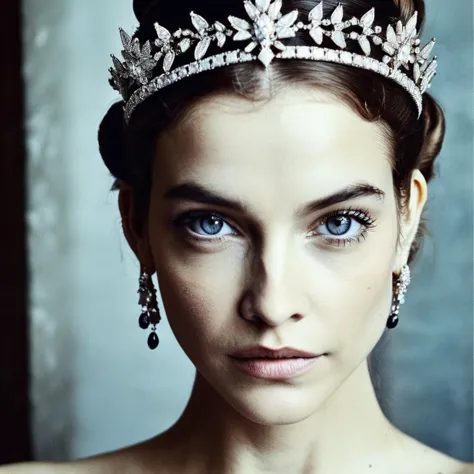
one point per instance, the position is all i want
(96, 386)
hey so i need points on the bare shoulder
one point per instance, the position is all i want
(428, 460)
(134, 459)
(100, 465)
(117, 462)
(38, 468)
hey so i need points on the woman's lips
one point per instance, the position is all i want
(267, 363)
(273, 369)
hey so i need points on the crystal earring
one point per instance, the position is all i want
(150, 312)
(402, 282)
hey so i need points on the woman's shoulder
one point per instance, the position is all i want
(56, 468)
(92, 466)
(427, 460)
(131, 459)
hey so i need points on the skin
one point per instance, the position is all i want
(275, 280)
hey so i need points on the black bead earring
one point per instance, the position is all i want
(400, 288)
(150, 312)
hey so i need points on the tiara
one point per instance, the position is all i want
(140, 74)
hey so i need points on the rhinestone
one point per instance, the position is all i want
(353, 35)
(378, 29)
(219, 61)
(232, 57)
(318, 54)
(299, 24)
(357, 60)
(332, 55)
(375, 65)
(326, 22)
(384, 69)
(378, 41)
(266, 56)
(346, 57)
(367, 63)
(303, 52)
(354, 21)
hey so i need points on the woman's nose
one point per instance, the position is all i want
(276, 293)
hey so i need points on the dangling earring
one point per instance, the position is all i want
(402, 282)
(150, 312)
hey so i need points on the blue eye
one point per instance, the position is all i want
(350, 224)
(204, 224)
(339, 225)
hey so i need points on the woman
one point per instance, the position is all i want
(278, 199)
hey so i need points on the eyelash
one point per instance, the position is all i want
(361, 216)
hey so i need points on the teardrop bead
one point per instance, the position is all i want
(144, 321)
(153, 340)
(392, 322)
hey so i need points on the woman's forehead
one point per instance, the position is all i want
(294, 137)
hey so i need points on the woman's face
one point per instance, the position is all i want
(272, 269)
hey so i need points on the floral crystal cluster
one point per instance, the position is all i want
(265, 31)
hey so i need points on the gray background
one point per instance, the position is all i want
(95, 384)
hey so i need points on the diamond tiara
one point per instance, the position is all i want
(405, 62)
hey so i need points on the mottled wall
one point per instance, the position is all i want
(430, 354)
(96, 385)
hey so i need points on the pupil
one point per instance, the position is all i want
(214, 227)
(339, 225)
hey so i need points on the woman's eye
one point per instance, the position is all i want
(205, 225)
(346, 226)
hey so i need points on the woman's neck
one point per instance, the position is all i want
(349, 433)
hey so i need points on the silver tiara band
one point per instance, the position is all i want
(138, 76)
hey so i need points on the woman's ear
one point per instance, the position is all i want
(136, 237)
(410, 220)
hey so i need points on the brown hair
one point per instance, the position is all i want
(127, 150)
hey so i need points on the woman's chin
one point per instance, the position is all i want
(275, 405)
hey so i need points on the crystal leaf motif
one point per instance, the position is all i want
(316, 14)
(338, 38)
(267, 27)
(367, 20)
(169, 60)
(274, 9)
(364, 44)
(220, 38)
(428, 75)
(424, 54)
(202, 47)
(184, 44)
(199, 23)
(138, 64)
(337, 15)
(252, 11)
(262, 5)
(164, 36)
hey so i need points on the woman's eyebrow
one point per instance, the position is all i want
(195, 192)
